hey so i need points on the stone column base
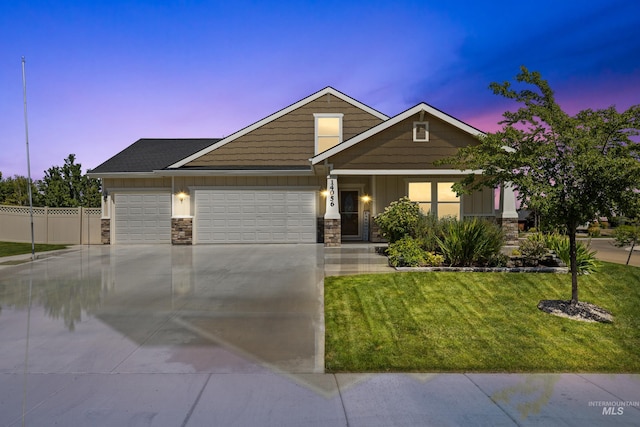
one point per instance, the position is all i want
(376, 235)
(510, 227)
(181, 231)
(332, 233)
(105, 231)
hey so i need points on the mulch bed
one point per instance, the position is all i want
(582, 311)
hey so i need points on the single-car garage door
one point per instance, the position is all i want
(255, 216)
(142, 218)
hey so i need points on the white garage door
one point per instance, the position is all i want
(142, 218)
(255, 216)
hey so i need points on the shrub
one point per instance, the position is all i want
(586, 261)
(499, 260)
(399, 219)
(406, 252)
(429, 229)
(433, 260)
(533, 248)
(470, 242)
(594, 230)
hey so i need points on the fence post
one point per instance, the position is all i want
(46, 224)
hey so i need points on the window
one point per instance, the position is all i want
(328, 131)
(421, 192)
(420, 131)
(437, 197)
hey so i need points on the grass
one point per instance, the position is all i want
(479, 322)
(12, 248)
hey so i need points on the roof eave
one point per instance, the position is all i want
(150, 174)
(235, 172)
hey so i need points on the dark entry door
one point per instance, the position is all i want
(349, 200)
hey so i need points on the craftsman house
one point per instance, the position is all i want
(318, 170)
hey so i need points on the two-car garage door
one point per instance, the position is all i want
(255, 216)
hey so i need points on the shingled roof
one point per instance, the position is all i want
(147, 155)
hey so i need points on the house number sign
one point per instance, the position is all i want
(332, 193)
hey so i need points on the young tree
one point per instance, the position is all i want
(570, 169)
(66, 186)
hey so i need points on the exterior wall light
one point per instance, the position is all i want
(325, 193)
(365, 199)
(181, 196)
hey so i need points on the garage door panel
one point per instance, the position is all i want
(255, 216)
(142, 218)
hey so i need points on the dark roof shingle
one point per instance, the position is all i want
(147, 155)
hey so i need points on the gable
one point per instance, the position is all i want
(287, 140)
(394, 148)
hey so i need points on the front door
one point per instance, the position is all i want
(349, 208)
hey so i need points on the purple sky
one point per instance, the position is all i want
(103, 73)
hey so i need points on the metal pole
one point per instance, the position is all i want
(26, 132)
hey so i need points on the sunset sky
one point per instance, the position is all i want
(103, 73)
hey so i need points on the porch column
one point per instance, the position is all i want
(105, 219)
(508, 213)
(332, 225)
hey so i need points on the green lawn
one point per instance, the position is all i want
(479, 322)
(12, 248)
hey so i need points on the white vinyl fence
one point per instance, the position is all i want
(51, 225)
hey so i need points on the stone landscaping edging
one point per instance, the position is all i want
(556, 270)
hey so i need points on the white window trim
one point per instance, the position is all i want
(315, 129)
(415, 132)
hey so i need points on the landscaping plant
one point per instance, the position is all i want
(471, 242)
(399, 219)
(406, 252)
(534, 248)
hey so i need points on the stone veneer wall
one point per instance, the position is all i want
(332, 233)
(510, 227)
(181, 231)
(105, 231)
(376, 235)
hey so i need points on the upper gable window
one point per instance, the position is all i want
(328, 131)
(420, 131)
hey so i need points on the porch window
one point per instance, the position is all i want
(421, 192)
(328, 130)
(437, 197)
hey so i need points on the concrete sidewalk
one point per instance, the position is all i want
(277, 399)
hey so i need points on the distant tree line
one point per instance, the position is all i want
(62, 186)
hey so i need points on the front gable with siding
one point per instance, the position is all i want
(266, 182)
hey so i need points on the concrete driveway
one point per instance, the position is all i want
(160, 308)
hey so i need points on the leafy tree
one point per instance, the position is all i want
(568, 168)
(15, 191)
(66, 186)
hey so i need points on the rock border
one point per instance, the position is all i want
(582, 311)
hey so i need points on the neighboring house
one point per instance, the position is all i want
(318, 170)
